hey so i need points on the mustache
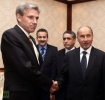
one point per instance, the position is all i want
(86, 42)
(42, 41)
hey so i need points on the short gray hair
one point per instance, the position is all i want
(24, 6)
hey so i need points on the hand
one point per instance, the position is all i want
(54, 87)
(52, 97)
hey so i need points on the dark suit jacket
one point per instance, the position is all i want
(59, 60)
(20, 64)
(61, 93)
(90, 88)
(47, 67)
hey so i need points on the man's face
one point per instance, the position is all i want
(29, 20)
(68, 41)
(42, 38)
(85, 37)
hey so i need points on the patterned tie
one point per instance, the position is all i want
(32, 41)
(43, 53)
(84, 63)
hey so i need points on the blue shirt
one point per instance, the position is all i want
(39, 47)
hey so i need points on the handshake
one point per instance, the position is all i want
(54, 87)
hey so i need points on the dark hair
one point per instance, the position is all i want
(88, 27)
(42, 30)
(70, 32)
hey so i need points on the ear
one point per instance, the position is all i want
(75, 41)
(18, 17)
(77, 38)
(36, 38)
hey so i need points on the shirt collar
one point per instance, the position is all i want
(66, 50)
(27, 34)
(42, 47)
(88, 50)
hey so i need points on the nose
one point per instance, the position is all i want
(85, 38)
(42, 38)
(66, 40)
(34, 20)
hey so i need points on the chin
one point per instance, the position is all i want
(85, 48)
(32, 30)
(42, 44)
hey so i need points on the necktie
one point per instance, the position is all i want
(34, 47)
(84, 63)
(43, 53)
(30, 41)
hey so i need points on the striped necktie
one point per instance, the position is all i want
(43, 53)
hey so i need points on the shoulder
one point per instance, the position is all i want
(10, 32)
(51, 46)
(98, 51)
(76, 50)
(62, 50)
(72, 53)
(60, 54)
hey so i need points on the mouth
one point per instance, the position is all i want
(85, 44)
(42, 41)
(33, 26)
(66, 44)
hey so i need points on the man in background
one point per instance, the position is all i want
(83, 69)
(21, 59)
(48, 52)
(69, 39)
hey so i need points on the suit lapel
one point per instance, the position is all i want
(48, 51)
(33, 40)
(62, 54)
(77, 60)
(40, 58)
(90, 64)
(24, 37)
(91, 61)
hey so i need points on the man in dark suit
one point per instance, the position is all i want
(84, 72)
(48, 52)
(69, 39)
(21, 59)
